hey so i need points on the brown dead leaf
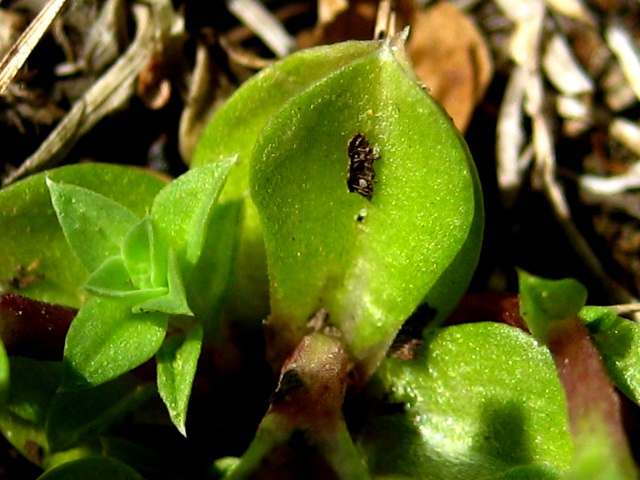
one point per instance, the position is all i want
(451, 58)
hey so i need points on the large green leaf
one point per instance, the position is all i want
(234, 129)
(482, 401)
(32, 240)
(368, 261)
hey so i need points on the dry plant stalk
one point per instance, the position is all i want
(17, 55)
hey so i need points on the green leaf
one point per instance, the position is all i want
(92, 468)
(619, 346)
(95, 226)
(233, 130)
(177, 362)
(175, 300)
(480, 401)
(33, 247)
(183, 209)
(138, 257)
(4, 374)
(543, 302)
(369, 261)
(209, 281)
(106, 340)
(81, 414)
(598, 318)
(23, 417)
(111, 279)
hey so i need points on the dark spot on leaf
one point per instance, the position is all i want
(361, 173)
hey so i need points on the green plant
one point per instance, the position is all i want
(352, 188)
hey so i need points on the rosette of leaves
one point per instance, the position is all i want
(156, 282)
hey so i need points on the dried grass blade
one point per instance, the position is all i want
(17, 55)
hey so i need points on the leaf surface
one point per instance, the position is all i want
(369, 260)
(177, 362)
(106, 340)
(481, 401)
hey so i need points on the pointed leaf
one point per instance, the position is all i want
(106, 340)
(111, 279)
(95, 226)
(367, 249)
(137, 255)
(208, 283)
(177, 362)
(182, 210)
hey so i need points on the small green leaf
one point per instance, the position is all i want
(598, 318)
(106, 340)
(619, 346)
(543, 302)
(137, 256)
(28, 223)
(111, 279)
(175, 300)
(177, 362)
(182, 210)
(92, 468)
(81, 414)
(208, 283)
(481, 400)
(4, 374)
(95, 226)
